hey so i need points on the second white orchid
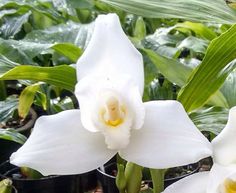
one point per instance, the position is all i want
(222, 176)
(112, 117)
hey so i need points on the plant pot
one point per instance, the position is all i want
(7, 148)
(50, 184)
(107, 178)
(24, 126)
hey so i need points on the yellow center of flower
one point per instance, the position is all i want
(230, 186)
(112, 114)
(113, 111)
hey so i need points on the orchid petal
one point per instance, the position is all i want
(224, 144)
(60, 145)
(91, 92)
(218, 175)
(168, 138)
(110, 52)
(196, 183)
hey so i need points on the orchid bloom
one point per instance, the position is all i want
(222, 176)
(112, 117)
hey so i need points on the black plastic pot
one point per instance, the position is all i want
(107, 180)
(51, 184)
(7, 148)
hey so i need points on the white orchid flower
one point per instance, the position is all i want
(222, 176)
(112, 117)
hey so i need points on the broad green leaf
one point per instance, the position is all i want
(199, 29)
(7, 108)
(71, 32)
(178, 73)
(195, 44)
(229, 90)
(62, 76)
(69, 50)
(26, 99)
(13, 25)
(41, 41)
(61, 105)
(7, 12)
(164, 43)
(215, 11)
(212, 72)
(211, 119)
(34, 6)
(174, 71)
(6, 64)
(162, 91)
(12, 135)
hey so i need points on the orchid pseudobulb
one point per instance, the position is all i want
(112, 117)
(222, 176)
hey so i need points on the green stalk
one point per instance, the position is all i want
(158, 179)
(133, 175)
(3, 92)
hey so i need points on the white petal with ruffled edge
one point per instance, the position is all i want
(218, 175)
(60, 145)
(111, 52)
(167, 139)
(91, 92)
(224, 144)
(196, 183)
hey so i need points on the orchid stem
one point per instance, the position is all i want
(133, 175)
(158, 179)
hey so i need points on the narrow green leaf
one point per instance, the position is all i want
(196, 10)
(178, 73)
(26, 99)
(69, 50)
(140, 28)
(62, 76)
(12, 135)
(212, 72)
(199, 29)
(175, 71)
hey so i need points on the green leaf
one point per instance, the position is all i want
(7, 108)
(26, 99)
(7, 12)
(211, 119)
(196, 10)
(169, 67)
(212, 72)
(195, 44)
(13, 25)
(12, 135)
(228, 89)
(6, 64)
(69, 50)
(140, 28)
(198, 28)
(71, 32)
(62, 76)
(34, 6)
